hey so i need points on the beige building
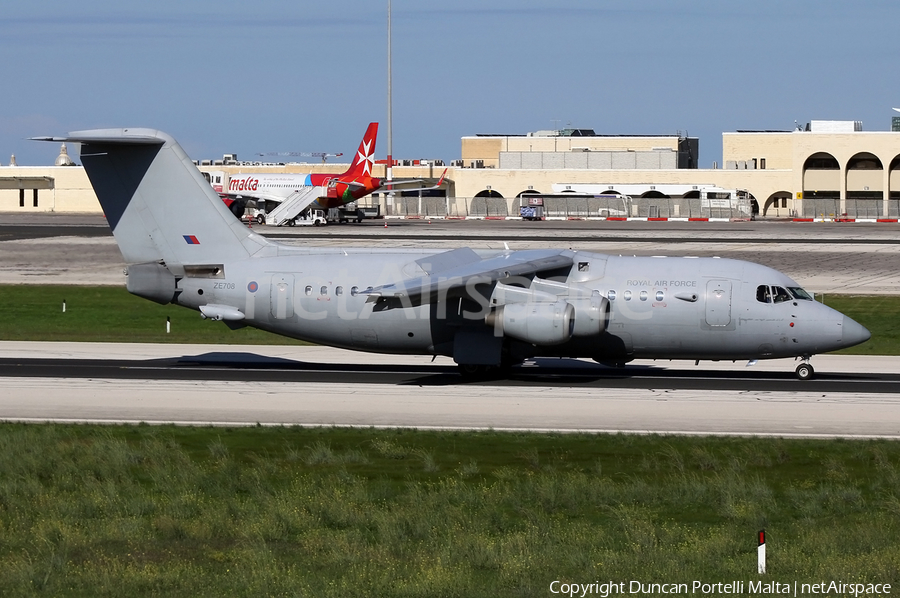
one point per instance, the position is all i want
(830, 169)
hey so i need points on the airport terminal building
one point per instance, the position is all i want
(827, 169)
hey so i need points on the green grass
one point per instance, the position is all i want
(880, 314)
(111, 314)
(169, 511)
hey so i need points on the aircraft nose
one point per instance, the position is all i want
(853, 333)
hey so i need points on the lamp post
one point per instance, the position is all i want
(390, 133)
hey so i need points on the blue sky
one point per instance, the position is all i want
(271, 75)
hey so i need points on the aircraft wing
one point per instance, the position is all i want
(459, 271)
(393, 186)
(352, 184)
(257, 195)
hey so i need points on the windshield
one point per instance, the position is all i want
(799, 293)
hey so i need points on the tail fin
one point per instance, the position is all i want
(365, 155)
(158, 205)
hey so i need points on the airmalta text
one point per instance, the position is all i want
(243, 185)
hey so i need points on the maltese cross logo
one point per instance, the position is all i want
(366, 156)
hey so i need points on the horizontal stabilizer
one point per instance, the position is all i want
(114, 136)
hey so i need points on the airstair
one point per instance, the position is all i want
(293, 205)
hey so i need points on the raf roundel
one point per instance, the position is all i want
(253, 287)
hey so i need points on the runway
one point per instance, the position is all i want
(852, 396)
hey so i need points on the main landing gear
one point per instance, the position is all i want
(805, 370)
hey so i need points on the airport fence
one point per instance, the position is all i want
(830, 208)
(557, 207)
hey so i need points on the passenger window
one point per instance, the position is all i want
(309, 289)
(339, 291)
(354, 291)
(660, 295)
(762, 294)
(611, 295)
(780, 295)
(324, 290)
(627, 295)
(644, 295)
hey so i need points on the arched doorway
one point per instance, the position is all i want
(821, 185)
(777, 205)
(894, 188)
(865, 186)
(488, 203)
(654, 204)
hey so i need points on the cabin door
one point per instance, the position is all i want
(282, 296)
(718, 302)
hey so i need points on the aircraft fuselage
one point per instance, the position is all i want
(658, 307)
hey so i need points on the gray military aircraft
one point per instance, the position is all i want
(485, 309)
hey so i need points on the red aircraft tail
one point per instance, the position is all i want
(365, 155)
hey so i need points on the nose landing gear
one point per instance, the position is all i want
(805, 370)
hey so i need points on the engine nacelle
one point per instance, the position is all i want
(151, 281)
(591, 314)
(535, 323)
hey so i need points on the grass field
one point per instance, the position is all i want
(143, 510)
(179, 511)
(111, 314)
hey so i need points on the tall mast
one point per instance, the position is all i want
(390, 132)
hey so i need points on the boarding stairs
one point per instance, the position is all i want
(293, 205)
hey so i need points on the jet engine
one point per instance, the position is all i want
(548, 313)
(535, 323)
(591, 314)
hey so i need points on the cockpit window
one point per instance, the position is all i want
(762, 294)
(780, 295)
(800, 294)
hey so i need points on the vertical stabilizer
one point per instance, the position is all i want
(365, 155)
(158, 205)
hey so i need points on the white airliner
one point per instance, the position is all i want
(486, 309)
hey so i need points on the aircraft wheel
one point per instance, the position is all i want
(291, 222)
(805, 371)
